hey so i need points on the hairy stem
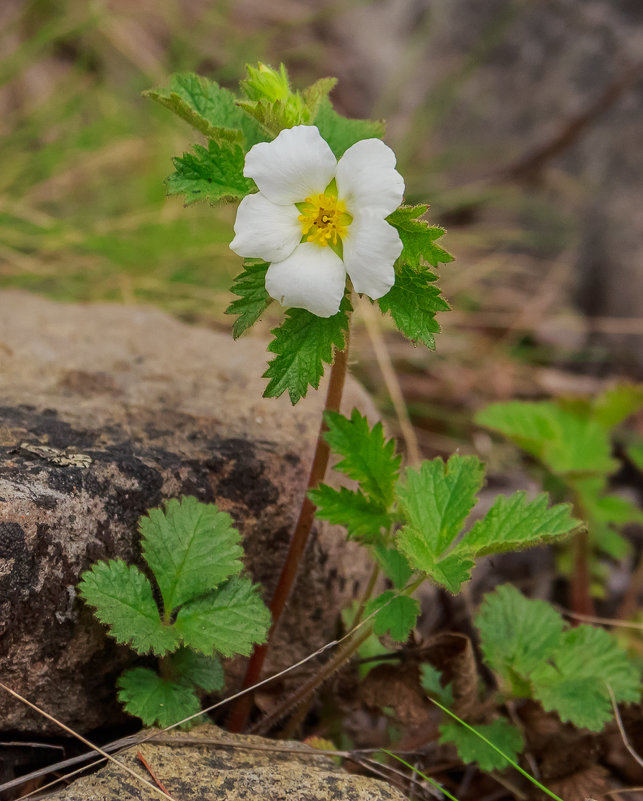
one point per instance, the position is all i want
(241, 710)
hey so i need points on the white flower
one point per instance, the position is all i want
(315, 219)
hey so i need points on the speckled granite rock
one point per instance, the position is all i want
(229, 773)
(104, 411)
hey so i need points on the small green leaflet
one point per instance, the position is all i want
(368, 457)
(394, 565)
(191, 548)
(253, 299)
(514, 522)
(575, 685)
(471, 748)
(635, 454)
(155, 700)
(397, 615)
(230, 620)
(418, 238)
(567, 670)
(516, 632)
(363, 519)
(413, 302)
(123, 599)
(214, 174)
(437, 499)
(340, 132)
(302, 344)
(204, 671)
(209, 108)
(617, 404)
(431, 681)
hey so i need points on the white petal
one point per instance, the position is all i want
(265, 230)
(312, 278)
(296, 164)
(367, 178)
(370, 251)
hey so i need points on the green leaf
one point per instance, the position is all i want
(230, 620)
(516, 633)
(635, 453)
(340, 132)
(431, 681)
(437, 499)
(123, 599)
(303, 343)
(363, 519)
(394, 564)
(204, 671)
(397, 615)
(617, 404)
(573, 681)
(155, 700)
(369, 457)
(413, 302)
(514, 523)
(253, 299)
(564, 440)
(418, 238)
(471, 748)
(209, 108)
(191, 547)
(213, 174)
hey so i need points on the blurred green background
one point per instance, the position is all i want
(506, 118)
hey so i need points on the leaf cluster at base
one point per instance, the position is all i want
(194, 554)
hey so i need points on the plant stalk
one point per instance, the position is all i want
(241, 710)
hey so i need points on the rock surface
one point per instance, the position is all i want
(104, 412)
(230, 773)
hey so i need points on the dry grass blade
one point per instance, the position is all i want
(621, 728)
(96, 748)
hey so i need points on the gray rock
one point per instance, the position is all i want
(104, 412)
(230, 773)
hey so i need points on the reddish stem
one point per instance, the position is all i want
(241, 710)
(580, 591)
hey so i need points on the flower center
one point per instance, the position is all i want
(324, 219)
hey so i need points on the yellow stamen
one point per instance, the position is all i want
(324, 219)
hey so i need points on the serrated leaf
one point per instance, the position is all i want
(191, 547)
(394, 565)
(437, 498)
(123, 599)
(514, 523)
(516, 633)
(418, 238)
(397, 615)
(573, 682)
(253, 299)
(635, 454)
(155, 700)
(209, 108)
(230, 620)
(204, 671)
(471, 748)
(564, 440)
(214, 174)
(340, 132)
(363, 519)
(413, 301)
(368, 457)
(303, 344)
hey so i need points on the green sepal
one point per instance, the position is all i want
(253, 299)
